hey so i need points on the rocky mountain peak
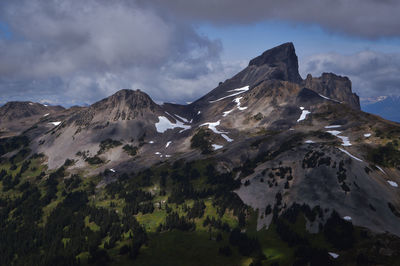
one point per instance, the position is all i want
(284, 59)
(122, 105)
(131, 99)
(335, 87)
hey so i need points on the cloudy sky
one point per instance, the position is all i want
(77, 52)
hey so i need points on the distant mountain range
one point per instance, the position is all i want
(387, 107)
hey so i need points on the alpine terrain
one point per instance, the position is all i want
(268, 168)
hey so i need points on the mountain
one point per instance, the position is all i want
(15, 117)
(386, 107)
(265, 161)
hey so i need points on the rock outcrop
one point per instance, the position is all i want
(334, 87)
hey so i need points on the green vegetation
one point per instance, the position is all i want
(11, 144)
(183, 213)
(387, 155)
(94, 160)
(201, 140)
(131, 150)
(108, 144)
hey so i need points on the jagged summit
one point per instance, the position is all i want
(284, 59)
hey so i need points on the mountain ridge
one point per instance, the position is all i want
(262, 119)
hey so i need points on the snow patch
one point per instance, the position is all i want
(392, 183)
(199, 112)
(30, 103)
(347, 218)
(157, 153)
(309, 141)
(237, 101)
(216, 146)
(352, 156)
(345, 140)
(228, 139)
(380, 169)
(55, 123)
(168, 143)
(46, 114)
(367, 135)
(151, 142)
(167, 155)
(333, 255)
(213, 126)
(327, 98)
(333, 126)
(164, 124)
(227, 112)
(304, 114)
(237, 92)
(112, 170)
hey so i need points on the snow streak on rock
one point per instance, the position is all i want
(352, 156)
(237, 92)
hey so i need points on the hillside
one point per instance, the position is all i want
(265, 169)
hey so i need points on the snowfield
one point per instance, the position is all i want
(164, 124)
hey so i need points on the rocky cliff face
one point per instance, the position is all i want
(334, 87)
(281, 64)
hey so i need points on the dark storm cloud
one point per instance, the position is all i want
(85, 50)
(367, 18)
(71, 52)
(372, 73)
